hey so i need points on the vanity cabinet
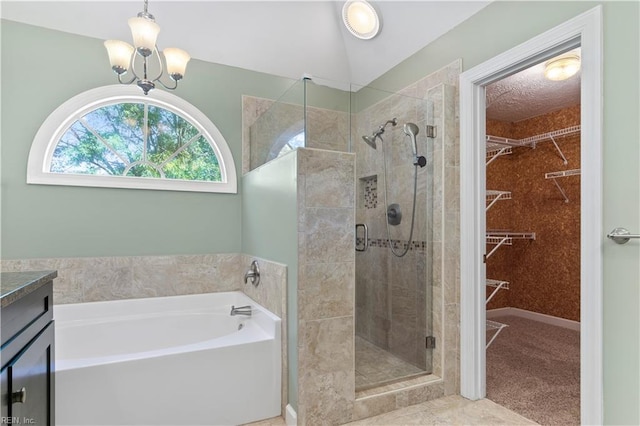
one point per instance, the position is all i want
(27, 352)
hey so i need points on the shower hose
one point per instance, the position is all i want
(413, 208)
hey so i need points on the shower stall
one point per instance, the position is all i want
(404, 302)
(394, 169)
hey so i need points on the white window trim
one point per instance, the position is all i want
(65, 115)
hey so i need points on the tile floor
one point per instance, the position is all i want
(375, 366)
(450, 410)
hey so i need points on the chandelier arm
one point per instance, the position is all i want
(175, 84)
(133, 78)
(157, 54)
(158, 78)
(144, 67)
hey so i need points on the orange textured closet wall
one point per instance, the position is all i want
(544, 274)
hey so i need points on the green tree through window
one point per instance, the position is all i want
(116, 137)
(135, 140)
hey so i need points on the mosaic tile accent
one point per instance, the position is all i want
(370, 192)
(397, 244)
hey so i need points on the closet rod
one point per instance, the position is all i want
(532, 140)
(553, 134)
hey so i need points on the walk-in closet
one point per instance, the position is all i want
(533, 244)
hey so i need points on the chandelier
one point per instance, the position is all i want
(124, 57)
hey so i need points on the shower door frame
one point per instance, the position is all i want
(585, 31)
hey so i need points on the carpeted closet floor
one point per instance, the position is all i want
(533, 369)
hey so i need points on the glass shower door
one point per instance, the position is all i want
(393, 261)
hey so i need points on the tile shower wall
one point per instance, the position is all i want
(326, 269)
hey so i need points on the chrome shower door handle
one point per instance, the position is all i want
(365, 236)
(19, 396)
(621, 235)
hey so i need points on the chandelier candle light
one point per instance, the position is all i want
(123, 56)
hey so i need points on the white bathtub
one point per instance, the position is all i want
(166, 361)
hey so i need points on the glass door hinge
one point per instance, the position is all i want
(431, 342)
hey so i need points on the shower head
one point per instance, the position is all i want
(371, 140)
(412, 130)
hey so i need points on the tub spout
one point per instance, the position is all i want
(241, 310)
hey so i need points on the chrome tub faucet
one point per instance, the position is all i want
(253, 274)
(241, 310)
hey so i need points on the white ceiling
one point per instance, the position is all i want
(285, 38)
(299, 37)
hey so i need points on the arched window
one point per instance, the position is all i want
(114, 136)
(292, 144)
(289, 140)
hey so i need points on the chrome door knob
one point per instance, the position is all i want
(621, 235)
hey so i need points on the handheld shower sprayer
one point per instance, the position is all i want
(411, 130)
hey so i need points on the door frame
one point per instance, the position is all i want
(584, 30)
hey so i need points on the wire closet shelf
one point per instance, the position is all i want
(493, 143)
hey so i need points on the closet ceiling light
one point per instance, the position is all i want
(562, 67)
(361, 19)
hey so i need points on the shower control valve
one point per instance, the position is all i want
(253, 274)
(394, 214)
(420, 161)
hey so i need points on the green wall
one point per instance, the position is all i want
(58, 221)
(503, 25)
(270, 231)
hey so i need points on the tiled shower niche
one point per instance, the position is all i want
(369, 191)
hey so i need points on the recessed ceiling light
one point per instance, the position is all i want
(562, 67)
(361, 19)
